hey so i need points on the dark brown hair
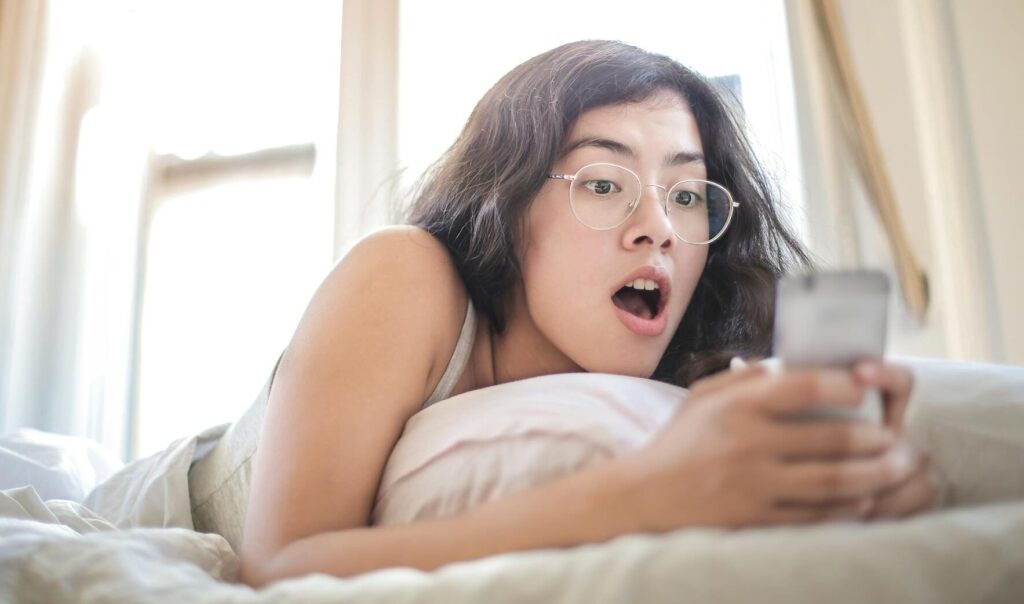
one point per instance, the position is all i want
(475, 196)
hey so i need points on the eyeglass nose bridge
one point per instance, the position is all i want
(640, 195)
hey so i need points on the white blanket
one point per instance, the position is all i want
(133, 542)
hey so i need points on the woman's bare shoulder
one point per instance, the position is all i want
(412, 264)
(410, 248)
(407, 287)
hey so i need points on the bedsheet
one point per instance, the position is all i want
(62, 552)
(131, 539)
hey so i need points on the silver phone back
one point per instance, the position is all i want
(833, 318)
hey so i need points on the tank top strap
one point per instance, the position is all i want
(459, 358)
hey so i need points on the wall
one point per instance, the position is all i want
(941, 82)
(991, 51)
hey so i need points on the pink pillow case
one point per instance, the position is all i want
(494, 442)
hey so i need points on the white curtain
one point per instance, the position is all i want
(55, 336)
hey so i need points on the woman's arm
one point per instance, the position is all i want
(369, 349)
(570, 511)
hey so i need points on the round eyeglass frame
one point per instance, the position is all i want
(636, 202)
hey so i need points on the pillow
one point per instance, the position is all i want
(58, 466)
(498, 441)
(969, 417)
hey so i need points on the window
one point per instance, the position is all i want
(235, 106)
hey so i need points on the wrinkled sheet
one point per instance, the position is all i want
(131, 538)
(61, 552)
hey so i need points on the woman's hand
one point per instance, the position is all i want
(922, 490)
(727, 457)
(918, 493)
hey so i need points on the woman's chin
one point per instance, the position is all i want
(643, 368)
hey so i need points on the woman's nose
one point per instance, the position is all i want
(649, 218)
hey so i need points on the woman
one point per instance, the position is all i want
(601, 211)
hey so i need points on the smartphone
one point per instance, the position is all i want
(833, 319)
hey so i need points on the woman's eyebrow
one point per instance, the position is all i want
(672, 159)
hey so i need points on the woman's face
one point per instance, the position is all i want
(573, 275)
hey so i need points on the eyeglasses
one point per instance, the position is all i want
(603, 196)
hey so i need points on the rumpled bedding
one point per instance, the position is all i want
(131, 539)
(61, 552)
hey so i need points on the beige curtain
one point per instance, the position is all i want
(47, 85)
(22, 43)
(912, 279)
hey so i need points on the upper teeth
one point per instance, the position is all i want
(643, 284)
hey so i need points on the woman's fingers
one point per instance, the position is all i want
(896, 383)
(798, 390)
(826, 439)
(917, 493)
(802, 514)
(724, 379)
(827, 481)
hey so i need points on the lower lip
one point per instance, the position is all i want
(643, 327)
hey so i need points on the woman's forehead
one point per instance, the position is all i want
(658, 100)
(664, 120)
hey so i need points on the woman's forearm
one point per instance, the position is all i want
(584, 507)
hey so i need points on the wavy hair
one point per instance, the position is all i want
(475, 197)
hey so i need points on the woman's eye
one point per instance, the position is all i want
(602, 187)
(687, 199)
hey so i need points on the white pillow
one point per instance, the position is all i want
(969, 417)
(59, 466)
(494, 442)
(497, 441)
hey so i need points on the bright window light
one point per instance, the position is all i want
(232, 258)
(231, 270)
(225, 77)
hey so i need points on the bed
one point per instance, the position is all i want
(138, 543)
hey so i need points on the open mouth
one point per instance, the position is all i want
(641, 298)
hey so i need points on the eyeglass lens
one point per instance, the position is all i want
(604, 195)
